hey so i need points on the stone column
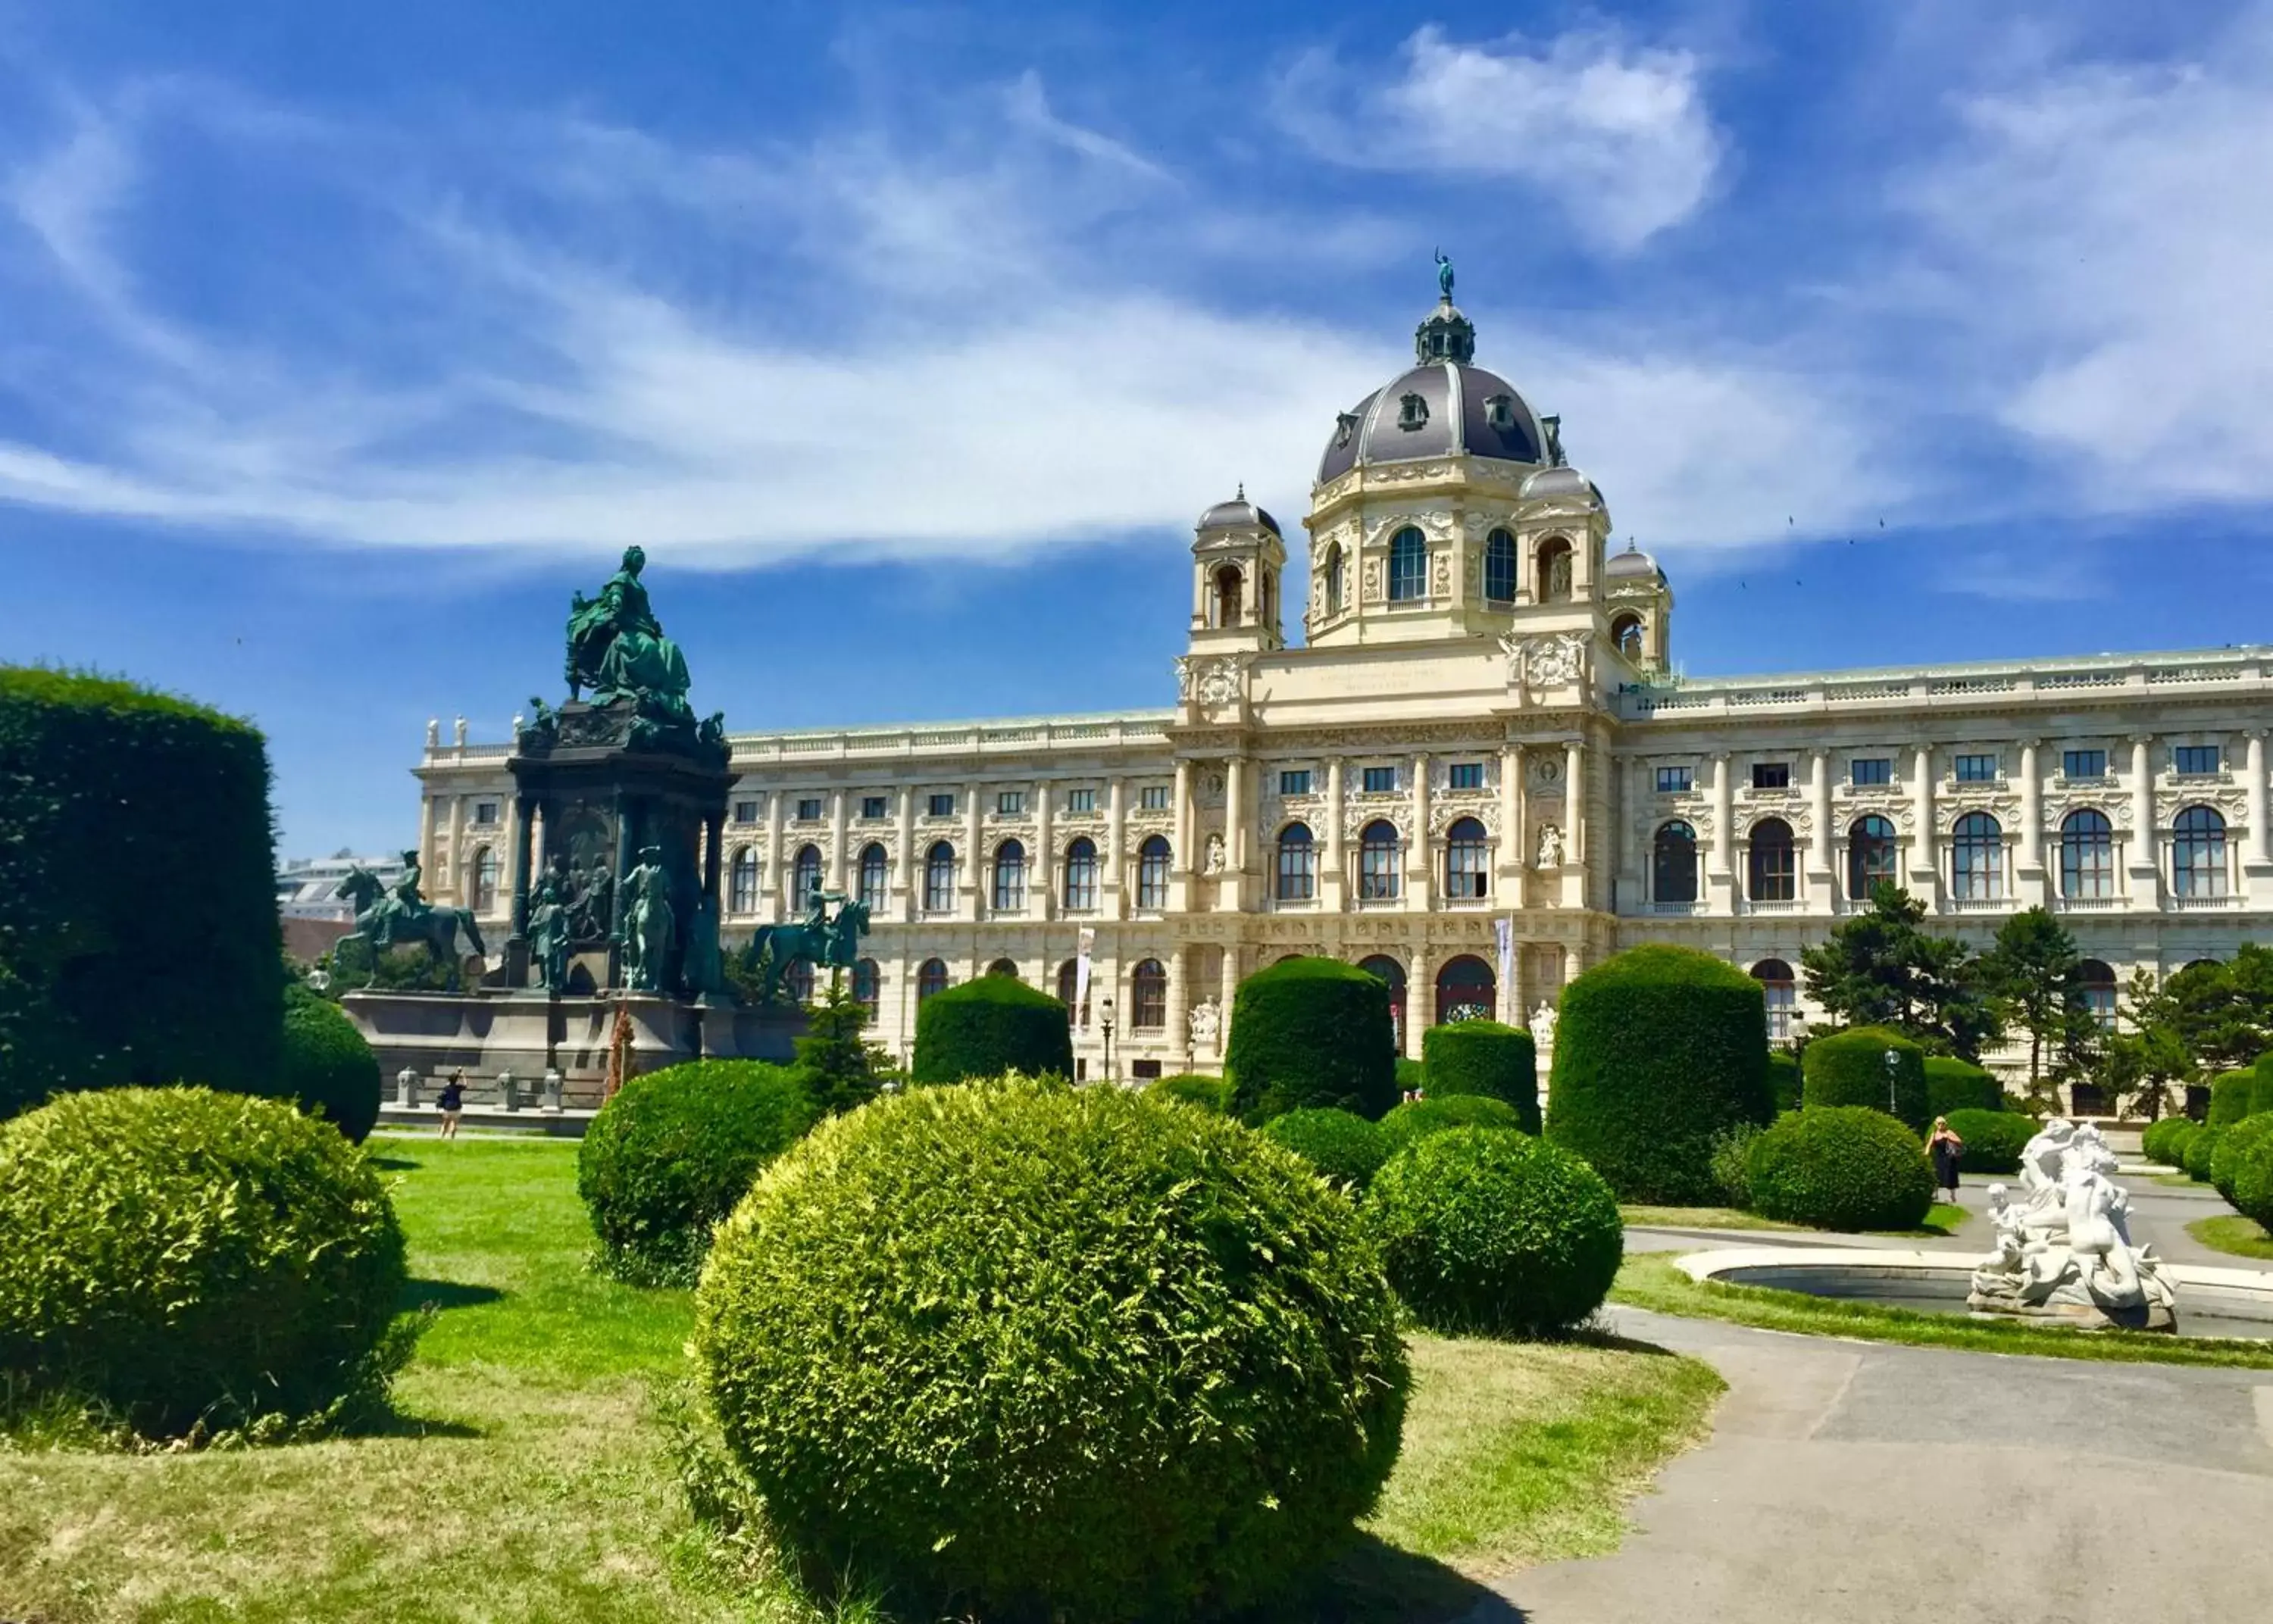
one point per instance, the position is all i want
(460, 891)
(2145, 860)
(2260, 848)
(974, 862)
(1507, 886)
(1926, 858)
(523, 829)
(1334, 887)
(1042, 878)
(1184, 860)
(1417, 860)
(1227, 982)
(1177, 962)
(1234, 814)
(1419, 999)
(771, 903)
(1720, 852)
(903, 873)
(2030, 871)
(1113, 902)
(1578, 841)
(838, 810)
(1821, 886)
(426, 835)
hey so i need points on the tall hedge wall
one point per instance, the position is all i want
(989, 1026)
(2231, 1097)
(2260, 1092)
(327, 1067)
(1849, 1068)
(139, 941)
(1952, 1084)
(1657, 1053)
(1484, 1057)
(1307, 1033)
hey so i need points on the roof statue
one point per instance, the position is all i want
(1443, 276)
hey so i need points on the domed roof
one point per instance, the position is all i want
(1444, 406)
(1632, 562)
(1564, 482)
(1238, 513)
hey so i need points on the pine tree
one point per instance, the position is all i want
(2147, 1060)
(2034, 975)
(841, 1073)
(1882, 969)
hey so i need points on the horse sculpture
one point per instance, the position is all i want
(383, 923)
(833, 942)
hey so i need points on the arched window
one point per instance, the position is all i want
(1394, 973)
(805, 879)
(1776, 979)
(1152, 872)
(798, 979)
(1499, 567)
(1081, 875)
(1148, 996)
(1554, 571)
(1673, 864)
(1869, 855)
(1464, 990)
(1334, 578)
(875, 872)
(1298, 865)
(1625, 631)
(2198, 853)
(868, 985)
(1377, 862)
(485, 879)
(1004, 967)
(1771, 875)
(2096, 981)
(931, 978)
(2087, 855)
(1226, 595)
(1468, 861)
(1069, 988)
(742, 882)
(1009, 877)
(1976, 859)
(1408, 566)
(939, 878)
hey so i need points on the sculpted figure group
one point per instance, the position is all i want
(2063, 1248)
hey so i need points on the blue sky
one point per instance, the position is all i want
(339, 344)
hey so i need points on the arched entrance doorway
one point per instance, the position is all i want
(1390, 971)
(1465, 990)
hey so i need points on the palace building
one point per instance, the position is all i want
(1476, 777)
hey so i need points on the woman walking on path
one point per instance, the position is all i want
(452, 1100)
(1945, 1146)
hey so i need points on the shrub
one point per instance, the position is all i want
(1783, 1080)
(328, 1069)
(1657, 1051)
(1412, 1076)
(1993, 1139)
(1487, 1058)
(2234, 1148)
(1841, 1167)
(988, 1026)
(673, 1150)
(1343, 1145)
(1849, 1068)
(1194, 1088)
(1495, 1232)
(1732, 1153)
(1033, 1350)
(1952, 1084)
(2174, 1145)
(2201, 1146)
(2261, 1090)
(1415, 1118)
(2230, 1095)
(2253, 1183)
(142, 944)
(185, 1257)
(1310, 1032)
(2154, 1143)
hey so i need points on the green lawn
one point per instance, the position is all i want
(528, 1484)
(1939, 1219)
(2232, 1232)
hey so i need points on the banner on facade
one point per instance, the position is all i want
(1081, 967)
(1503, 932)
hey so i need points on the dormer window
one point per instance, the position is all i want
(1345, 429)
(1412, 412)
(1499, 411)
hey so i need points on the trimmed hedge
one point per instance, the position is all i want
(1343, 1145)
(1841, 1167)
(2174, 1145)
(990, 1025)
(2253, 1183)
(2154, 1143)
(1495, 1233)
(2201, 1146)
(1024, 1351)
(191, 1259)
(1194, 1088)
(140, 942)
(1658, 1051)
(1784, 1084)
(1993, 1139)
(1849, 1068)
(1415, 1118)
(2234, 1148)
(2261, 1091)
(673, 1151)
(1952, 1084)
(2230, 1097)
(1310, 1032)
(327, 1066)
(1412, 1076)
(1484, 1058)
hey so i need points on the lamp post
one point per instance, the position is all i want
(1894, 1061)
(1105, 1025)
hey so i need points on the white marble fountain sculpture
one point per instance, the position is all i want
(2064, 1250)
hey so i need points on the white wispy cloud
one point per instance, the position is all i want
(1617, 137)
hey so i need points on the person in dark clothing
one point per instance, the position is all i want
(1944, 1148)
(452, 1101)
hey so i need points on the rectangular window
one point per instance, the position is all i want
(2196, 758)
(1770, 774)
(1864, 772)
(1674, 779)
(486, 812)
(1380, 779)
(2084, 764)
(1010, 803)
(1153, 798)
(1081, 800)
(1295, 781)
(939, 806)
(1466, 775)
(1144, 1071)
(808, 809)
(1977, 769)
(745, 811)
(871, 805)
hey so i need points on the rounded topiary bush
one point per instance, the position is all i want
(2253, 1183)
(1952, 1084)
(1784, 1082)
(2230, 1097)
(2175, 1142)
(1432, 1115)
(673, 1150)
(1037, 1352)
(1495, 1232)
(1192, 1087)
(142, 942)
(2260, 1088)
(1411, 1077)
(2234, 1146)
(1658, 1052)
(1343, 1145)
(328, 1069)
(2154, 1141)
(1849, 1068)
(182, 1256)
(1310, 1032)
(1486, 1059)
(1993, 1139)
(2201, 1146)
(989, 1026)
(1841, 1167)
